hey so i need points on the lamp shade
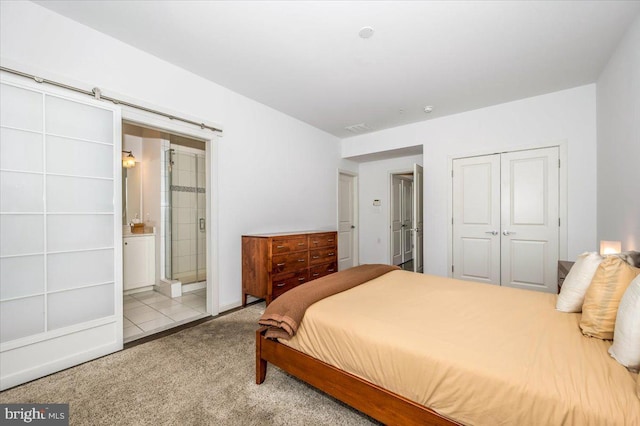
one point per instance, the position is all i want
(610, 247)
(128, 161)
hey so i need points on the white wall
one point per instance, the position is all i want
(374, 184)
(151, 187)
(618, 98)
(568, 115)
(275, 173)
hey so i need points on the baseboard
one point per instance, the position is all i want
(194, 286)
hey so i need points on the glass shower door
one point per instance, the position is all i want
(186, 240)
(168, 158)
(201, 232)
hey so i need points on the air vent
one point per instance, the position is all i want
(358, 128)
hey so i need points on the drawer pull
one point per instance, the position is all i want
(316, 274)
(315, 242)
(331, 254)
(331, 240)
(316, 257)
(302, 260)
(331, 270)
(280, 285)
(300, 279)
(280, 264)
(279, 247)
(300, 244)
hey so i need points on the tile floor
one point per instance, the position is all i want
(148, 311)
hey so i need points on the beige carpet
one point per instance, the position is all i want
(204, 375)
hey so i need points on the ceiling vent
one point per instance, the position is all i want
(358, 128)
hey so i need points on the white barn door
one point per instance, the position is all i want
(505, 219)
(60, 231)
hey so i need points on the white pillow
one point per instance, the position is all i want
(626, 337)
(577, 282)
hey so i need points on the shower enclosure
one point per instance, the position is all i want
(185, 215)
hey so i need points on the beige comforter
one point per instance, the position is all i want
(284, 314)
(478, 354)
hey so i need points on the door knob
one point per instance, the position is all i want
(506, 232)
(353, 227)
(492, 232)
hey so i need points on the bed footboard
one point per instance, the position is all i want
(360, 394)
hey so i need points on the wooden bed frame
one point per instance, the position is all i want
(360, 394)
(373, 400)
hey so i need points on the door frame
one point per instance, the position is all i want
(356, 211)
(562, 194)
(156, 122)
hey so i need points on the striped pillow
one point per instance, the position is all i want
(601, 301)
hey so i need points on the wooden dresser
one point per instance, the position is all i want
(275, 263)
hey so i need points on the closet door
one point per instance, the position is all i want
(530, 228)
(476, 219)
(60, 231)
(505, 219)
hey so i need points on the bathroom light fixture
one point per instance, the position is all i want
(129, 161)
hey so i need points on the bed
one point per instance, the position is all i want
(409, 348)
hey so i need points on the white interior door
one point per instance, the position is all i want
(347, 231)
(418, 221)
(530, 228)
(396, 220)
(60, 231)
(476, 219)
(505, 219)
(407, 219)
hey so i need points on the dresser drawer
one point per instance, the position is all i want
(319, 256)
(285, 282)
(289, 262)
(322, 270)
(322, 240)
(275, 263)
(286, 245)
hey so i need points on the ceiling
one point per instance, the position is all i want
(307, 60)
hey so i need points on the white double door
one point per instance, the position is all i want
(406, 218)
(506, 219)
